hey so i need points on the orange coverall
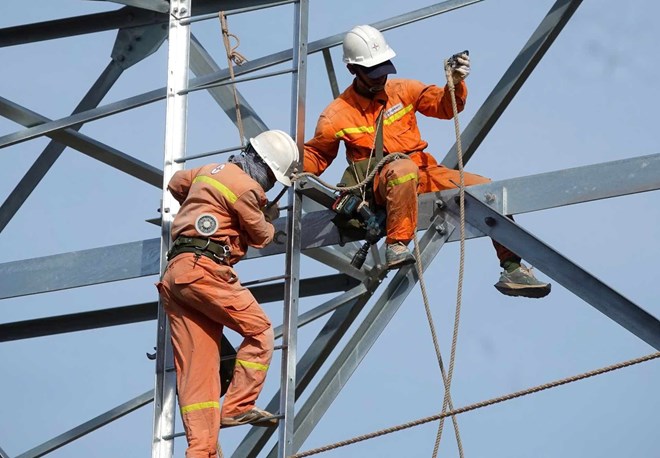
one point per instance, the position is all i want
(351, 118)
(201, 296)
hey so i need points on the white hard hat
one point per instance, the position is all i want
(366, 46)
(278, 151)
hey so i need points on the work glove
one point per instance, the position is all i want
(271, 212)
(460, 66)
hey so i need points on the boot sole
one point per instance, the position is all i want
(399, 264)
(516, 290)
(266, 423)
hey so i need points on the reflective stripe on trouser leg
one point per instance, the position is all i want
(396, 187)
(252, 361)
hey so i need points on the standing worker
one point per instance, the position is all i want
(223, 211)
(372, 102)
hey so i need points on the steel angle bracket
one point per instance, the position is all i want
(134, 44)
(563, 271)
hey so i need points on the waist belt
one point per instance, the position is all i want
(201, 247)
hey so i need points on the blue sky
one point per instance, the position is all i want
(592, 99)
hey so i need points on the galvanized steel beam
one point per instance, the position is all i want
(176, 126)
(79, 25)
(131, 46)
(564, 187)
(340, 260)
(84, 144)
(512, 80)
(54, 149)
(315, 356)
(338, 374)
(201, 63)
(513, 196)
(253, 65)
(125, 17)
(90, 426)
(294, 234)
(148, 311)
(565, 272)
(160, 6)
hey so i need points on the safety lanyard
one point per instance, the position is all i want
(378, 146)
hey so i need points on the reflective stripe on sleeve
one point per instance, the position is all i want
(200, 406)
(224, 190)
(403, 179)
(251, 365)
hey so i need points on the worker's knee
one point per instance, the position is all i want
(264, 340)
(397, 173)
(268, 338)
(400, 168)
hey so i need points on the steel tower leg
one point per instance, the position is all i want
(294, 214)
(175, 145)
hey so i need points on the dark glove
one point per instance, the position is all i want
(271, 212)
(460, 66)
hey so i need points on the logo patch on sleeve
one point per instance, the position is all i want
(206, 224)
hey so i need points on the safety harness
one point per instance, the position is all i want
(201, 247)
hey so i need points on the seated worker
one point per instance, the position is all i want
(352, 118)
(223, 211)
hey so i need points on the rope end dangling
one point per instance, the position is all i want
(233, 56)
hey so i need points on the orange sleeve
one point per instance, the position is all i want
(322, 149)
(259, 232)
(435, 101)
(180, 183)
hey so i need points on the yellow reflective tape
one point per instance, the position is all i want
(251, 365)
(200, 406)
(224, 190)
(403, 179)
(355, 130)
(398, 115)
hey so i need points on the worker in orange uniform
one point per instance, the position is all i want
(223, 211)
(353, 118)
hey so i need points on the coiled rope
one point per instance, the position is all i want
(478, 405)
(370, 176)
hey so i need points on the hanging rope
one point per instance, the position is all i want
(436, 346)
(233, 57)
(461, 265)
(478, 405)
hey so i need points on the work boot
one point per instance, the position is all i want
(522, 282)
(254, 416)
(398, 255)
